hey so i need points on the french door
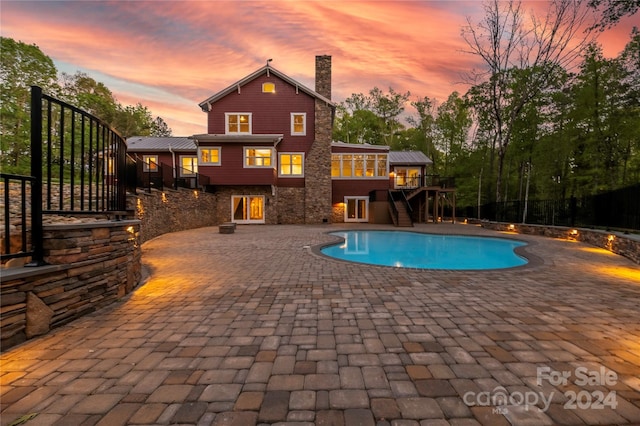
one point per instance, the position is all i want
(247, 208)
(356, 209)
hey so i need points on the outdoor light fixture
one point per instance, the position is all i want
(512, 227)
(195, 194)
(164, 197)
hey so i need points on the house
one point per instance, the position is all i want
(269, 157)
(267, 150)
(166, 162)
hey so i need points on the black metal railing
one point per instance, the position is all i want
(614, 209)
(151, 175)
(84, 170)
(418, 181)
(78, 166)
(17, 238)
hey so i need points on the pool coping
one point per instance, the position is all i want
(533, 261)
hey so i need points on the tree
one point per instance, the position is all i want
(89, 95)
(520, 56)
(21, 66)
(159, 128)
(612, 11)
(387, 107)
(453, 124)
(370, 119)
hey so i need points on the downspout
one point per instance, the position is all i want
(173, 160)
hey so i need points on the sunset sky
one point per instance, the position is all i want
(171, 55)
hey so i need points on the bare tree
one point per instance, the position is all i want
(520, 52)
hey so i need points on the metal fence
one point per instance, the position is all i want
(619, 209)
(78, 166)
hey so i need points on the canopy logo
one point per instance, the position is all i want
(501, 399)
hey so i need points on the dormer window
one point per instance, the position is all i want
(238, 123)
(268, 87)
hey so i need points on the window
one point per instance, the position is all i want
(359, 166)
(188, 166)
(209, 156)
(298, 123)
(291, 165)
(257, 157)
(238, 123)
(150, 163)
(268, 88)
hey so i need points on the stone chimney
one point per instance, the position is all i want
(317, 169)
(323, 76)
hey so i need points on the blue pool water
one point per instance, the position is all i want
(426, 251)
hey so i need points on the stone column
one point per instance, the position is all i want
(318, 159)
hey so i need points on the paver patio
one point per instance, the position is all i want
(254, 328)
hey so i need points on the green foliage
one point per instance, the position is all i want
(370, 119)
(23, 65)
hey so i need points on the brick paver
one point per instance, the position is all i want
(255, 327)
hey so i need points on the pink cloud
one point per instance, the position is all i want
(184, 51)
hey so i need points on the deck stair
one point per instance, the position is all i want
(404, 220)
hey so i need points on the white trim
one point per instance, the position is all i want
(304, 124)
(248, 207)
(376, 176)
(181, 168)
(209, 163)
(238, 114)
(280, 154)
(346, 209)
(147, 159)
(244, 157)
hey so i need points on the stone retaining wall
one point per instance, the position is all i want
(627, 245)
(91, 265)
(166, 211)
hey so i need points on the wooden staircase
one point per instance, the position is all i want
(404, 220)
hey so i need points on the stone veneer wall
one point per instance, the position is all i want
(166, 211)
(616, 242)
(91, 265)
(317, 169)
(291, 205)
(223, 195)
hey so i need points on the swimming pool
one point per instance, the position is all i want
(425, 251)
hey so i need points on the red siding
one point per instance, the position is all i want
(355, 187)
(271, 114)
(232, 170)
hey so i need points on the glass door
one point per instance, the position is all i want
(247, 208)
(356, 209)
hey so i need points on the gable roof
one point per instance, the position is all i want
(164, 144)
(204, 105)
(408, 158)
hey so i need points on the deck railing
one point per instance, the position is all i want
(78, 166)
